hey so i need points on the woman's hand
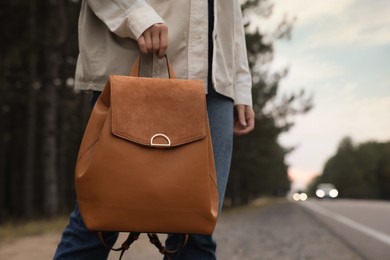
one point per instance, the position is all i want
(154, 39)
(244, 119)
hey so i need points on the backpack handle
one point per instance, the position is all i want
(135, 70)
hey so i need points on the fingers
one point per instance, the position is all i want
(148, 40)
(241, 115)
(142, 45)
(154, 39)
(163, 42)
(244, 121)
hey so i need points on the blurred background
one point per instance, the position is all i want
(340, 52)
(42, 117)
(321, 93)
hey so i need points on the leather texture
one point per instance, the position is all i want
(125, 181)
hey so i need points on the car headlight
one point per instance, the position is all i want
(296, 197)
(333, 193)
(320, 193)
(303, 196)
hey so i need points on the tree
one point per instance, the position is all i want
(358, 171)
(38, 64)
(258, 166)
(31, 115)
(43, 118)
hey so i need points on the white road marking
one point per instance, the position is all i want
(349, 222)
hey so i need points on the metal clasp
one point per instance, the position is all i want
(160, 135)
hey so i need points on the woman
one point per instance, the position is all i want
(200, 46)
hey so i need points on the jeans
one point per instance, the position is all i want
(78, 243)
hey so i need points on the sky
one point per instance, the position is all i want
(340, 53)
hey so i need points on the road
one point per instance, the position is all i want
(363, 225)
(269, 230)
(279, 230)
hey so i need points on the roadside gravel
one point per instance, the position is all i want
(279, 230)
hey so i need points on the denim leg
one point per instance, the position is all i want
(79, 243)
(220, 111)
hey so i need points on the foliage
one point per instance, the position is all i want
(258, 166)
(42, 117)
(39, 39)
(358, 171)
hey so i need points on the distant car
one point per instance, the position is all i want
(299, 196)
(326, 190)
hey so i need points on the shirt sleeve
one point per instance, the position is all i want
(126, 18)
(243, 79)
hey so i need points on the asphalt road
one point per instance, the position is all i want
(270, 230)
(277, 230)
(363, 225)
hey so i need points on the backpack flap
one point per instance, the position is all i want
(157, 112)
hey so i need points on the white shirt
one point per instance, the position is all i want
(108, 31)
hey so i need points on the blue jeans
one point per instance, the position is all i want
(78, 243)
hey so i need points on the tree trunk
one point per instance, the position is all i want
(2, 175)
(63, 130)
(57, 31)
(16, 168)
(53, 62)
(50, 184)
(28, 200)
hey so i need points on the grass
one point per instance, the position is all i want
(11, 230)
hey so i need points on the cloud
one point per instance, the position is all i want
(305, 10)
(318, 133)
(337, 23)
(368, 118)
(335, 54)
(309, 10)
(361, 23)
(315, 75)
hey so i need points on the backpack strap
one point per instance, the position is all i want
(153, 238)
(133, 236)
